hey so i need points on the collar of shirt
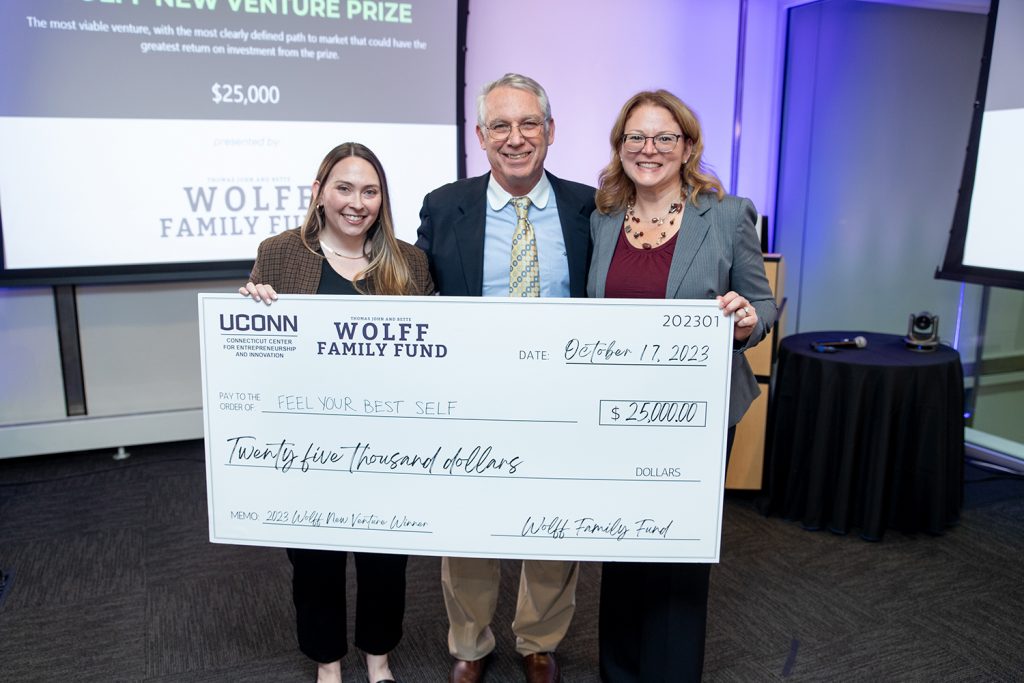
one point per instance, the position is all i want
(497, 197)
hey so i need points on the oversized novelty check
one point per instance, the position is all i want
(529, 428)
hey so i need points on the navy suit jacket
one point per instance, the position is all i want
(452, 224)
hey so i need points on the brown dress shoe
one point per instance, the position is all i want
(541, 668)
(468, 672)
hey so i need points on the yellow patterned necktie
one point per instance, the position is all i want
(524, 271)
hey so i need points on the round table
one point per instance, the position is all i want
(866, 439)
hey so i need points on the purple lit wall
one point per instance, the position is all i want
(592, 56)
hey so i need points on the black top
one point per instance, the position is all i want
(332, 283)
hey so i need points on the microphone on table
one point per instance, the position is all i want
(857, 342)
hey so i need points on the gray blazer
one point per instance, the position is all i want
(717, 251)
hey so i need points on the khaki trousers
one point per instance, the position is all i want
(544, 609)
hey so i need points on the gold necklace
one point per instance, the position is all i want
(339, 254)
(630, 218)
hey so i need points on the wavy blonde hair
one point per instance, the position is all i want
(616, 191)
(388, 271)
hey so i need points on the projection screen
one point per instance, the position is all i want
(986, 244)
(165, 139)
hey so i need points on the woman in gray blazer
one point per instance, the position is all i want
(664, 228)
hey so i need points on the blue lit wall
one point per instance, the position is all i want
(878, 104)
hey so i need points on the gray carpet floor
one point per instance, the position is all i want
(110, 577)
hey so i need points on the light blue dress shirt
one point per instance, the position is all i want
(501, 224)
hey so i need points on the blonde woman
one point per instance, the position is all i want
(346, 245)
(664, 228)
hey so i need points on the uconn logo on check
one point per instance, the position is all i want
(258, 322)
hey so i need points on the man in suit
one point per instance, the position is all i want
(516, 231)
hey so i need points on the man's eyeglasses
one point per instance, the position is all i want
(501, 130)
(663, 142)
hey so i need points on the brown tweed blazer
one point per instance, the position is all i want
(284, 263)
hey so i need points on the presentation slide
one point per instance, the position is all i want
(138, 132)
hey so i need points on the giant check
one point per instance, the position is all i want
(532, 428)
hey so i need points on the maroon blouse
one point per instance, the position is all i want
(639, 273)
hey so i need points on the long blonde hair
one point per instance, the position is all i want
(388, 271)
(615, 189)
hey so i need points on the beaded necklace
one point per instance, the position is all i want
(631, 218)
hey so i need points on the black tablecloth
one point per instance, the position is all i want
(866, 439)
